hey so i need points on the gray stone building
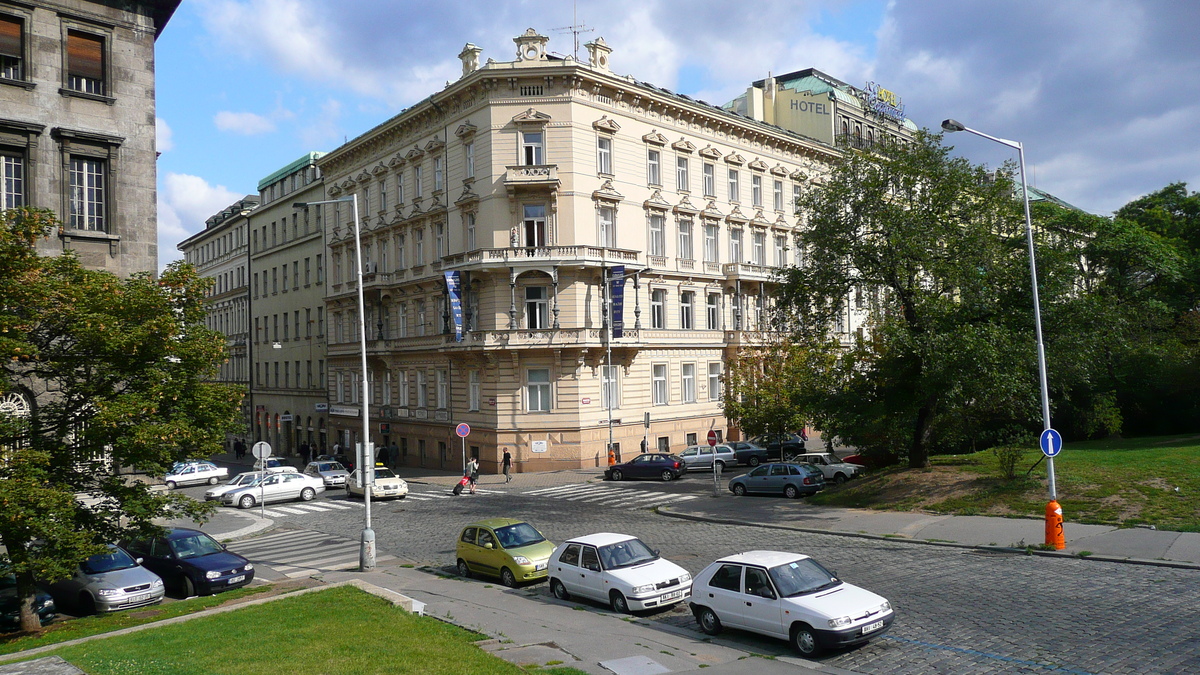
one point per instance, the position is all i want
(77, 129)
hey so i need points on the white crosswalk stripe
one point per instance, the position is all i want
(297, 553)
(603, 494)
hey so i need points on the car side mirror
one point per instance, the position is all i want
(488, 545)
(138, 560)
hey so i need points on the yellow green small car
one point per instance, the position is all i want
(507, 548)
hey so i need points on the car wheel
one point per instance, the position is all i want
(619, 604)
(754, 460)
(170, 485)
(739, 490)
(720, 466)
(246, 502)
(667, 476)
(559, 590)
(212, 480)
(507, 578)
(791, 492)
(616, 474)
(87, 604)
(189, 589)
(709, 623)
(840, 478)
(307, 494)
(805, 640)
(463, 570)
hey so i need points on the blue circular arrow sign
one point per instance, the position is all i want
(1051, 442)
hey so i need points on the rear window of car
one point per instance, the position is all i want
(570, 555)
(468, 535)
(728, 577)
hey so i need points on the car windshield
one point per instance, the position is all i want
(384, 473)
(516, 536)
(244, 479)
(115, 559)
(195, 545)
(330, 466)
(802, 576)
(626, 554)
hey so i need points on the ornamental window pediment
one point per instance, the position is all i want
(759, 220)
(799, 176)
(415, 154)
(531, 117)
(735, 159)
(362, 176)
(655, 138)
(466, 130)
(656, 202)
(397, 162)
(380, 169)
(711, 210)
(607, 193)
(685, 206)
(779, 170)
(710, 152)
(334, 190)
(606, 125)
(348, 184)
(683, 145)
(435, 145)
(736, 217)
(758, 165)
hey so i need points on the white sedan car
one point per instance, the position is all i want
(618, 570)
(194, 473)
(386, 485)
(279, 487)
(788, 596)
(242, 480)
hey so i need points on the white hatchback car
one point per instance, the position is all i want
(617, 569)
(789, 596)
(191, 473)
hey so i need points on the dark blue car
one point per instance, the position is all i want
(10, 605)
(191, 562)
(660, 465)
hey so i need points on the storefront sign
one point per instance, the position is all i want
(538, 446)
(883, 102)
(345, 411)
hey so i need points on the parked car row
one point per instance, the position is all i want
(784, 595)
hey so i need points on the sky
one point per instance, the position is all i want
(1103, 94)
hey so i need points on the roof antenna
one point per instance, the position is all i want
(575, 28)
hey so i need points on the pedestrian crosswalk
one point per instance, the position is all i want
(446, 494)
(299, 508)
(302, 553)
(604, 494)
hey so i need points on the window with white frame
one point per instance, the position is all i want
(713, 307)
(420, 318)
(473, 391)
(443, 390)
(688, 380)
(653, 167)
(714, 381)
(735, 246)
(418, 184)
(534, 225)
(608, 233)
(355, 387)
(439, 241)
(756, 197)
(418, 247)
(733, 185)
(659, 377)
(687, 301)
(711, 232)
(781, 250)
(437, 174)
(658, 239)
(402, 320)
(778, 195)
(795, 197)
(537, 315)
(531, 148)
(422, 389)
(383, 195)
(400, 261)
(604, 154)
(339, 390)
(685, 239)
(681, 174)
(610, 391)
(387, 388)
(759, 252)
(470, 222)
(405, 391)
(12, 179)
(399, 188)
(710, 180)
(88, 196)
(658, 309)
(469, 160)
(537, 390)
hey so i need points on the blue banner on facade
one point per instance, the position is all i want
(454, 290)
(617, 279)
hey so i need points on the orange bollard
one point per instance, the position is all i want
(1054, 526)
(612, 457)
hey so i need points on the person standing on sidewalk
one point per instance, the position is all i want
(507, 465)
(473, 473)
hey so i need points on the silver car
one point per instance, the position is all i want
(332, 473)
(707, 456)
(109, 582)
(242, 480)
(280, 487)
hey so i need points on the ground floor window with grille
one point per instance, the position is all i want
(537, 390)
(87, 194)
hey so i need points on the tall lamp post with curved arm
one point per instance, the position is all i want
(953, 126)
(366, 459)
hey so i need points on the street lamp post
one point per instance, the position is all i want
(366, 459)
(1052, 508)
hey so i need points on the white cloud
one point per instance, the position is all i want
(163, 135)
(323, 129)
(184, 203)
(246, 123)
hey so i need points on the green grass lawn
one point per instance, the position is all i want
(341, 630)
(1122, 482)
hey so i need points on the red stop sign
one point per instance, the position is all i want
(712, 437)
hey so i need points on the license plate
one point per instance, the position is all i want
(872, 626)
(239, 578)
(539, 567)
(139, 598)
(672, 596)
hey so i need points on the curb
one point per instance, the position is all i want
(667, 511)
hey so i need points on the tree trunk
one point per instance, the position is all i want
(27, 592)
(918, 453)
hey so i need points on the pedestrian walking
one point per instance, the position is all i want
(305, 452)
(507, 465)
(473, 473)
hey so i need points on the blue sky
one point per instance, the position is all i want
(1103, 93)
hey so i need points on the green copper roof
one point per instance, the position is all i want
(307, 160)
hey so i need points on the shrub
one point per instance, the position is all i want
(1007, 457)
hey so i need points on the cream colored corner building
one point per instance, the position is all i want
(530, 181)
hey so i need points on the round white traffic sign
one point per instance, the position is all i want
(261, 450)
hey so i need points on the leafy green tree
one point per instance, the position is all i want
(771, 389)
(100, 374)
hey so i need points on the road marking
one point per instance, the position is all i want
(288, 509)
(297, 553)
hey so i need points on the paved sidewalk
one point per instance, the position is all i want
(1101, 542)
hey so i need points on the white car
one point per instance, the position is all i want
(618, 570)
(242, 480)
(788, 596)
(835, 470)
(707, 456)
(333, 473)
(387, 485)
(279, 487)
(193, 473)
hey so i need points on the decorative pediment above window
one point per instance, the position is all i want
(686, 207)
(466, 131)
(779, 170)
(799, 176)
(606, 125)
(607, 193)
(435, 145)
(468, 197)
(781, 222)
(396, 162)
(334, 191)
(656, 202)
(655, 138)
(531, 117)
(348, 184)
(758, 165)
(683, 145)
(379, 169)
(710, 152)
(414, 154)
(711, 210)
(759, 220)
(736, 216)
(363, 177)
(735, 159)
